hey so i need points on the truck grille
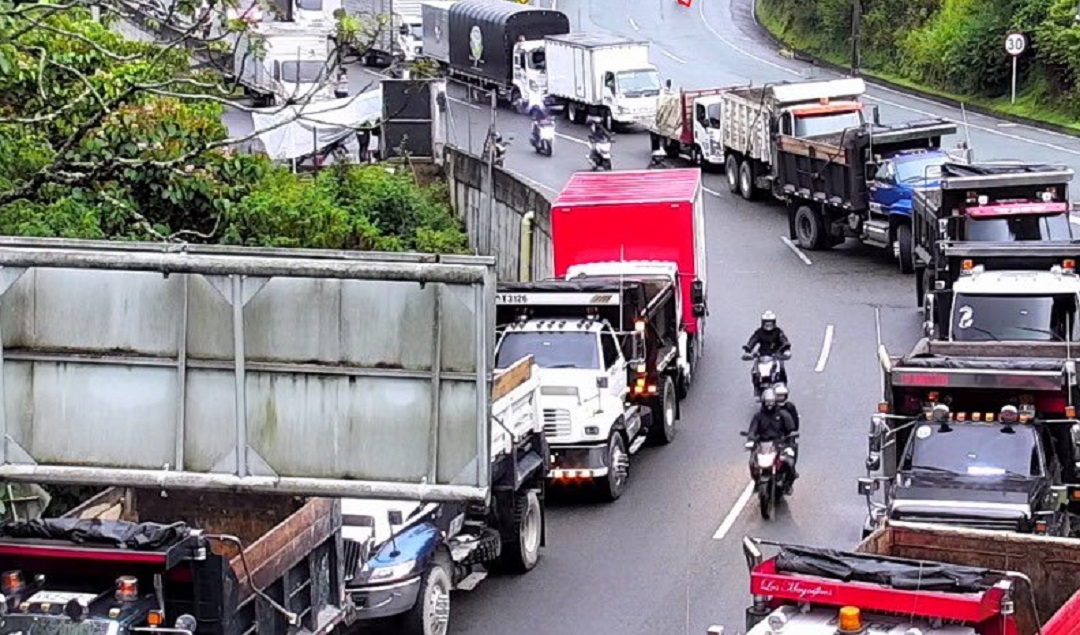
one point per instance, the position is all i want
(556, 423)
(988, 524)
(352, 555)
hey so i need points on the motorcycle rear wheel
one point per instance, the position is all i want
(767, 499)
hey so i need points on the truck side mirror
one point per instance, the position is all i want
(394, 517)
(875, 115)
(877, 432)
(1074, 432)
(873, 462)
(602, 381)
(868, 486)
(697, 297)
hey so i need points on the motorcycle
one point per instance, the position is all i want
(768, 372)
(600, 154)
(543, 137)
(771, 470)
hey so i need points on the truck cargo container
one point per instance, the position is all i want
(602, 75)
(493, 44)
(391, 30)
(997, 203)
(296, 63)
(640, 215)
(910, 577)
(219, 385)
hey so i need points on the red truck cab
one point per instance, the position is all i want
(638, 215)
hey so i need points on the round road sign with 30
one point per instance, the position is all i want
(1015, 43)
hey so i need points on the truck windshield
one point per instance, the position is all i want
(976, 450)
(814, 125)
(914, 170)
(1018, 228)
(309, 5)
(551, 350)
(302, 72)
(643, 83)
(1010, 318)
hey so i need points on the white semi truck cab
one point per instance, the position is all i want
(589, 425)
(1009, 306)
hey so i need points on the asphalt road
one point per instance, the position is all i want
(666, 559)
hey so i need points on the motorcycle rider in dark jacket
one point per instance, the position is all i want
(770, 340)
(783, 403)
(598, 133)
(772, 423)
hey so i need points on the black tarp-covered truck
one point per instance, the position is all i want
(492, 44)
(234, 394)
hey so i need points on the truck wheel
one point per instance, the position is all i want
(663, 430)
(746, 180)
(671, 149)
(618, 462)
(906, 257)
(520, 554)
(809, 228)
(573, 113)
(920, 286)
(431, 613)
(606, 120)
(696, 157)
(731, 167)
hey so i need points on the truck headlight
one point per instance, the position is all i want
(592, 430)
(392, 572)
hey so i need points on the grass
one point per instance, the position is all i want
(1027, 106)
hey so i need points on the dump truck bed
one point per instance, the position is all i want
(1052, 564)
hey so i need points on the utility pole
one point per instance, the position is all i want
(1077, 18)
(856, 33)
(491, 178)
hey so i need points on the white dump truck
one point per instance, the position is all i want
(286, 62)
(688, 124)
(602, 75)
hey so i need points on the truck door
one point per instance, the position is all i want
(701, 124)
(614, 364)
(884, 190)
(520, 66)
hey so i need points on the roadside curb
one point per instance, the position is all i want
(789, 52)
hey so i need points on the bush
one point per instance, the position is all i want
(954, 46)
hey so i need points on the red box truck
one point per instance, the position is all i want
(638, 216)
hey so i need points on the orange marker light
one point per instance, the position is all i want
(155, 618)
(12, 581)
(850, 619)
(127, 588)
(967, 265)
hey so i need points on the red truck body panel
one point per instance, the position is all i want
(1067, 619)
(633, 215)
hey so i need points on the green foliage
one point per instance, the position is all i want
(106, 138)
(955, 46)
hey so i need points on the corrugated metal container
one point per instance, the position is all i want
(436, 18)
(293, 371)
(483, 33)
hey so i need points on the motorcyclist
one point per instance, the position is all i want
(783, 403)
(498, 149)
(770, 340)
(657, 159)
(772, 423)
(598, 134)
(540, 117)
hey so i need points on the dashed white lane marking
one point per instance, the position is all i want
(672, 56)
(733, 515)
(795, 248)
(826, 346)
(633, 25)
(708, 191)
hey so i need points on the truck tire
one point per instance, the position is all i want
(920, 286)
(906, 256)
(810, 229)
(747, 189)
(605, 119)
(431, 613)
(521, 553)
(665, 413)
(671, 149)
(574, 113)
(618, 462)
(731, 167)
(696, 156)
(488, 548)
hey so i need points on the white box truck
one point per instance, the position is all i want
(294, 63)
(391, 30)
(606, 76)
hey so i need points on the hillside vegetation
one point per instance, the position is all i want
(950, 47)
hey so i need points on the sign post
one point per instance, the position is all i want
(1015, 44)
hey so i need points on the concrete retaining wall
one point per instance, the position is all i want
(500, 233)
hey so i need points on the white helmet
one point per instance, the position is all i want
(768, 320)
(781, 393)
(768, 398)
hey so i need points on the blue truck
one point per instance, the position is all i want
(859, 183)
(406, 556)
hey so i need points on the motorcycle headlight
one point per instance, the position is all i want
(392, 572)
(766, 460)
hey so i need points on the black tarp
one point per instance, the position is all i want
(109, 533)
(491, 28)
(997, 169)
(983, 363)
(897, 573)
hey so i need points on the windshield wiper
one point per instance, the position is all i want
(1057, 338)
(934, 468)
(979, 329)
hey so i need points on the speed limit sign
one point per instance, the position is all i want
(1015, 43)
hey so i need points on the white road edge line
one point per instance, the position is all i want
(885, 89)
(672, 56)
(795, 248)
(633, 25)
(826, 346)
(733, 515)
